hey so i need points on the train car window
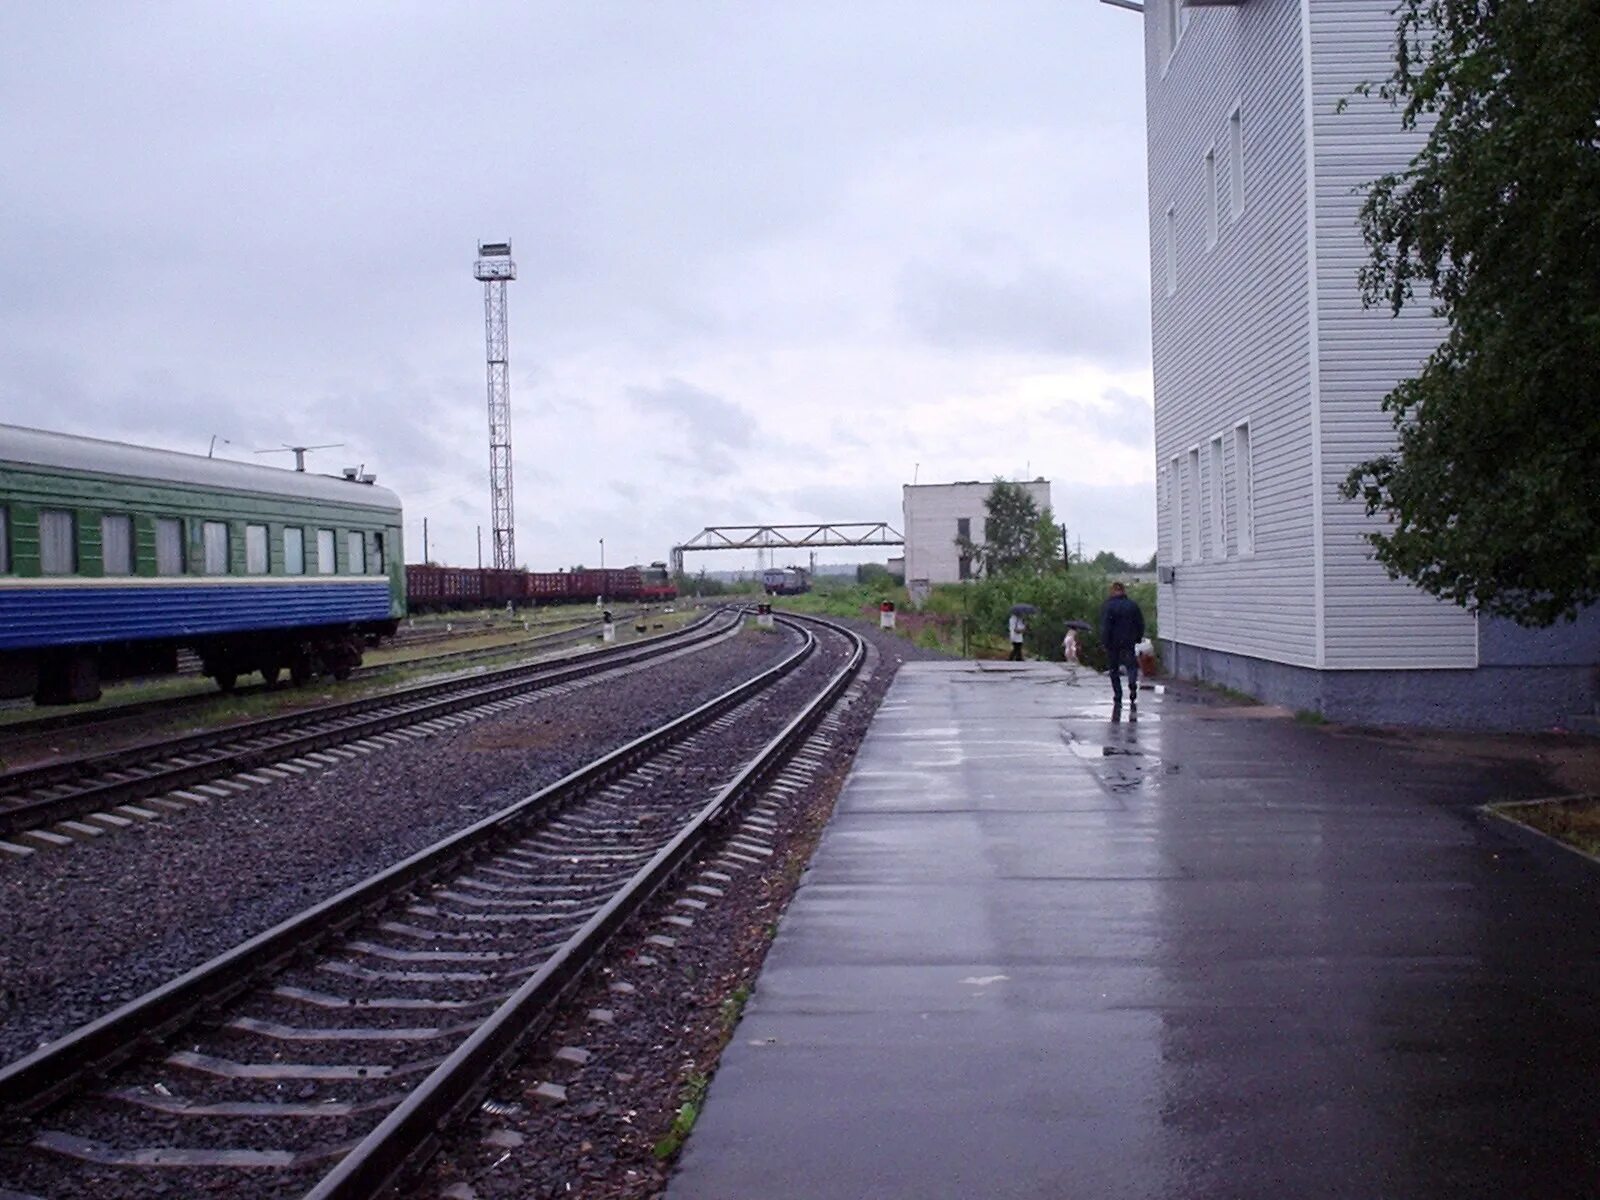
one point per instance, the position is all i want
(169, 546)
(325, 563)
(5, 541)
(256, 561)
(116, 545)
(215, 535)
(357, 542)
(377, 554)
(294, 551)
(58, 542)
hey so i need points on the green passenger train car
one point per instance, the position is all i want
(114, 557)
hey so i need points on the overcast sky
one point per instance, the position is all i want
(775, 259)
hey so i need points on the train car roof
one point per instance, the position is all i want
(42, 448)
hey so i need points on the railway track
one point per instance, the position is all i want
(36, 798)
(93, 720)
(330, 1050)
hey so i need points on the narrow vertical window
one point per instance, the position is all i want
(1244, 518)
(58, 542)
(377, 554)
(116, 545)
(1193, 541)
(5, 542)
(1211, 198)
(1175, 509)
(1235, 163)
(294, 551)
(1219, 529)
(214, 534)
(256, 560)
(1172, 250)
(325, 562)
(356, 541)
(169, 546)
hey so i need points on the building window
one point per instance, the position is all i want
(58, 542)
(5, 542)
(1176, 19)
(1244, 491)
(1175, 510)
(325, 563)
(256, 561)
(294, 551)
(116, 545)
(377, 554)
(1235, 163)
(1219, 529)
(214, 535)
(1211, 197)
(169, 546)
(1192, 496)
(356, 544)
(1172, 250)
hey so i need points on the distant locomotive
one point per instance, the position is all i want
(434, 588)
(785, 581)
(113, 557)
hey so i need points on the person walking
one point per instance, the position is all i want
(1121, 630)
(1018, 626)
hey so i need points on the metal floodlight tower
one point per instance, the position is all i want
(495, 268)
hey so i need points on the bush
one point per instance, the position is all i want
(1059, 597)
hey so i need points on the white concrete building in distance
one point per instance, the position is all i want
(1269, 378)
(936, 514)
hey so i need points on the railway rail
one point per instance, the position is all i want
(90, 720)
(349, 1035)
(37, 797)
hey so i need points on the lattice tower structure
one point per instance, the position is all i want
(494, 266)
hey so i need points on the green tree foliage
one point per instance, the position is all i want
(1016, 534)
(1492, 487)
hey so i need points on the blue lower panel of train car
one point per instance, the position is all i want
(130, 610)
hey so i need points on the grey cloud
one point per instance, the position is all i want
(706, 420)
(1119, 417)
(1117, 517)
(1034, 307)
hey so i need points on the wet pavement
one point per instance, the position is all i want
(1204, 954)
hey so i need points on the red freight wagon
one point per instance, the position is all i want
(500, 586)
(547, 587)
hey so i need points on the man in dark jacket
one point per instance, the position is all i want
(1122, 629)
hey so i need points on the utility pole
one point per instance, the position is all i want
(1066, 551)
(425, 557)
(495, 268)
(480, 547)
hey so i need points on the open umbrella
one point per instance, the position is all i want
(1023, 610)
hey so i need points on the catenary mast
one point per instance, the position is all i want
(495, 268)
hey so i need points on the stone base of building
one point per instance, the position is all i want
(1524, 696)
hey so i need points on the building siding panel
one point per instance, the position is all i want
(1370, 620)
(1232, 343)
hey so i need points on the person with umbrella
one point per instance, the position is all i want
(1018, 627)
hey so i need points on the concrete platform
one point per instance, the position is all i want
(1042, 954)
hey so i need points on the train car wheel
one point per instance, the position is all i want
(300, 670)
(227, 678)
(271, 673)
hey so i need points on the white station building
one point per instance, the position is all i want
(1269, 377)
(936, 514)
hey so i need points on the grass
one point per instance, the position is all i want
(1307, 716)
(1575, 821)
(692, 1097)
